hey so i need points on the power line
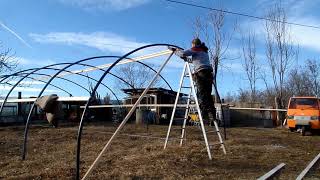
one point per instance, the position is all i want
(241, 14)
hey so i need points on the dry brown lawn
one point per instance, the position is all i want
(251, 152)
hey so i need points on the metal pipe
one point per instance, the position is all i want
(94, 90)
(49, 84)
(140, 58)
(61, 70)
(126, 119)
(81, 85)
(18, 82)
(43, 89)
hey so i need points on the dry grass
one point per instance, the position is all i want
(251, 152)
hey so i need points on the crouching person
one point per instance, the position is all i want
(51, 107)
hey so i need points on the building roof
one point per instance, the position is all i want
(151, 91)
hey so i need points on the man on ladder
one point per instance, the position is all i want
(203, 77)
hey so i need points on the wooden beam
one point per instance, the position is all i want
(258, 109)
(64, 99)
(307, 169)
(179, 105)
(273, 173)
(125, 61)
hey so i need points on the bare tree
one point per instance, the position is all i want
(7, 60)
(136, 75)
(298, 83)
(216, 39)
(314, 72)
(250, 64)
(244, 96)
(7, 63)
(230, 98)
(280, 51)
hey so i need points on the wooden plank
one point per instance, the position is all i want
(307, 169)
(140, 105)
(125, 61)
(273, 173)
(179, 105)
(62, 99)
(258, 109)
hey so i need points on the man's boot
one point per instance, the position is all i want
(205, 117)
(212, 118)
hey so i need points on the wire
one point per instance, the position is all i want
(241, 14)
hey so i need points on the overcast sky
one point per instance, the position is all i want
(52, 31)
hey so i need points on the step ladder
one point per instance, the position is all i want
(192, 93)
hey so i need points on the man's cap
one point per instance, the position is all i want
(196, 41)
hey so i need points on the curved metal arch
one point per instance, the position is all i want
(7, 76)
(31, 69)
(126, 82)
(80, 75)
(21, 75)
(94, 79)
(65, 79)
(42, 74)
(141, 64)
(66, 68)
(15, 74)
(112, 92)
(88, 65)
(73, 81)
(79, 63)
(18, 82)
(49, 84)
(46, 85)
(91, 96)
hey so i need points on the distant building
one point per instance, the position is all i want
(161, 115)
(16, 111)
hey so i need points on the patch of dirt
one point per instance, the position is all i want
(251, 152)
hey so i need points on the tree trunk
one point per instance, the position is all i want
(216, 93)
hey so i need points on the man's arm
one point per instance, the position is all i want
(184, 54)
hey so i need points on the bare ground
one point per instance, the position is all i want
(251, 152)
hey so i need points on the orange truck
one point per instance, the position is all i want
(303, 114)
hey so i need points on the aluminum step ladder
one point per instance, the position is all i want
(192, 93)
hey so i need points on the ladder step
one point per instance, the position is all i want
(216, 144)
(178, 128)
(191, 99)
(185, 86)
(182, 107)
(214, 131)
(174, 138)
(180, 118)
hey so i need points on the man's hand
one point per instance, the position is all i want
(172, 48)
(186, 59)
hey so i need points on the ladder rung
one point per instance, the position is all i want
(191, 99)
(181, 107)
(173, 138)
(180, 118)
(216, 144)
(178, 128)
(185, 86)
(212, 131)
